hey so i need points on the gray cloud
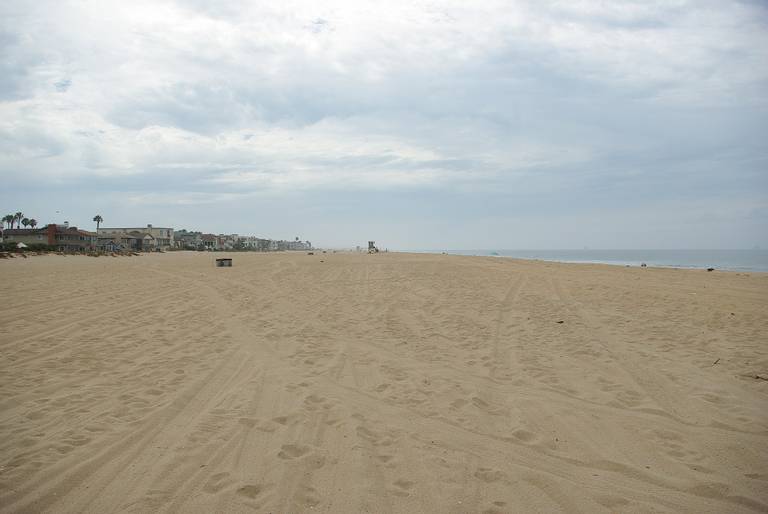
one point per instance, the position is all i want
(62, 85)
(461, 115)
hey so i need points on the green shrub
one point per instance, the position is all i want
(10, 246)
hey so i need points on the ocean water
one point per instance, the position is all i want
(732, 260)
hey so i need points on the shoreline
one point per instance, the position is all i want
(626, 264)
(319, 253)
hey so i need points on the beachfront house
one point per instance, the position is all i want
(135, 241)
(210, 241)
(111, 246)
(188, 240)
(63, 237)
(299, 245)
(160, 238)
(28, 236)
(249, 243)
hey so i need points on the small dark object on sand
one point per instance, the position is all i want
(718, 360)
(224, 263)
(710, 269)
(643, 265)
(310, 253)
(561, 321)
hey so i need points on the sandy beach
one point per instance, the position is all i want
(379, 383)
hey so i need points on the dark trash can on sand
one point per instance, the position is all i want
(223, 263)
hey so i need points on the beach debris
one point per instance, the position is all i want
(561, 321)
(224, 263)
(710, 269)
(310, 253)
(718, 360)
(760, 377)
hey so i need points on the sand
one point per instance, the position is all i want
(379, 383)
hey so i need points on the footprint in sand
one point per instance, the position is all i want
(293, 451)
(489, 475)
(249, 491)
(283, 420)
(481, 404)
(313, 402)
(249, 422)
(307, 497)
(459, 403)
(402, 487)
(217, 482)
(524, 436)
(612, 502)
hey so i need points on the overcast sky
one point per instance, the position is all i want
(461, 125)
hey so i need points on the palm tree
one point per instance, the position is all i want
(25, 222)
(9, 219)
(33, 223)
(98, 219)
(18, 217)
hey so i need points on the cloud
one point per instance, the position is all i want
(62, 85)
(204, 100)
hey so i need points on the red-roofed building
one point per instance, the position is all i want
(63, 237)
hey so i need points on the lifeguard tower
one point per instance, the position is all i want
(372, 247)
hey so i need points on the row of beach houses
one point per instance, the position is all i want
(141, 239)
